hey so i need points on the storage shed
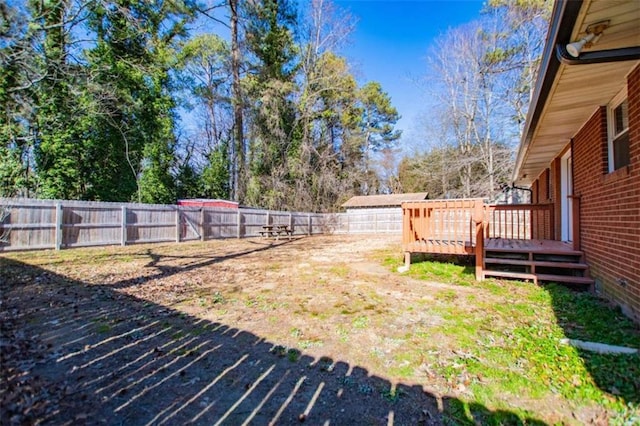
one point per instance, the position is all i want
(208, 202)
(376, 213)
(384, 201)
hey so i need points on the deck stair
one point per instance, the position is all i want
(536, 260)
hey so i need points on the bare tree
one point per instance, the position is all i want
(469, 92)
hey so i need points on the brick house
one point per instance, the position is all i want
(580, 150)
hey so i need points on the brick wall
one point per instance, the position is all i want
(610, 206)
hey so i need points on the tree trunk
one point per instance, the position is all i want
(238, 159)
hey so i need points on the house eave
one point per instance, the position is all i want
(568, 91)
(563, 18)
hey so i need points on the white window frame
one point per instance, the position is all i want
(615, 102)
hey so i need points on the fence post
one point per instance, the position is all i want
(309, 231)
(268, 217)
(58, 226)
(202, 227)
(123, 226)
(177, 224)
(239, 219)
(291, 222)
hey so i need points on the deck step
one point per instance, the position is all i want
(561, 251)
(510, 274)
(565, 279)
(550, 264)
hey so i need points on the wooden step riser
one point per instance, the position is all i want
(535, 256)
(540, 277)
(546, 264)
(538, 252)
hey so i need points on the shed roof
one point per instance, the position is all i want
(384, 200)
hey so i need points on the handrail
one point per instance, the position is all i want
(448, 221)
(441, 226)
(520, 221)
(461, 226)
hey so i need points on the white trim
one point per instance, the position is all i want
(611, 135)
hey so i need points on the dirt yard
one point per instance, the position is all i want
(254, 331)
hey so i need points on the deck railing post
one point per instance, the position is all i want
(479, 251)
(478, 218)
(575, 221)
(552, 224)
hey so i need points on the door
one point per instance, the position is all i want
(566, 191)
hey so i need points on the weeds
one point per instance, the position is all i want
(391, 394)
(506, 336)
(293, 355)
(360, 322)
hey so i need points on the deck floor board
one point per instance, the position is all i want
(529, 246)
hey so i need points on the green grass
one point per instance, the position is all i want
(506, 336)
(433, 269)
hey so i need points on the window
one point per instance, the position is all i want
(618, 127)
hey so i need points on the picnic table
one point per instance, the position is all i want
(275, 231)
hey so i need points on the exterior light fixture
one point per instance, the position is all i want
(594, 31)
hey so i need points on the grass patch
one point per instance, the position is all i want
(103, 328)
(360, 322)
(451, 270)
(505, 341)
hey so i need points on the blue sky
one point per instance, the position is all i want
(391, 42)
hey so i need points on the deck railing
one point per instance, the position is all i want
(519, 221)
(461, 226)
(441, 226)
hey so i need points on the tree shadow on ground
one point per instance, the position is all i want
(584, 316)
(75, 353)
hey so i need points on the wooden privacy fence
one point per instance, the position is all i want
(44, 224)
(366, 221)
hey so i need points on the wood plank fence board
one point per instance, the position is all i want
(46, 224)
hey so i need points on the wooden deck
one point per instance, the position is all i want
(509, 241)
(535, 260)
(530, 246)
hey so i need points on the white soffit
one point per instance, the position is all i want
(579, 90)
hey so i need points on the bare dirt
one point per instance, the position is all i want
(223, 332)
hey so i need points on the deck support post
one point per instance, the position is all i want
(407, 259)
(478, 218)
(479, 251)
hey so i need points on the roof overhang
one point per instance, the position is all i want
(568, 91)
